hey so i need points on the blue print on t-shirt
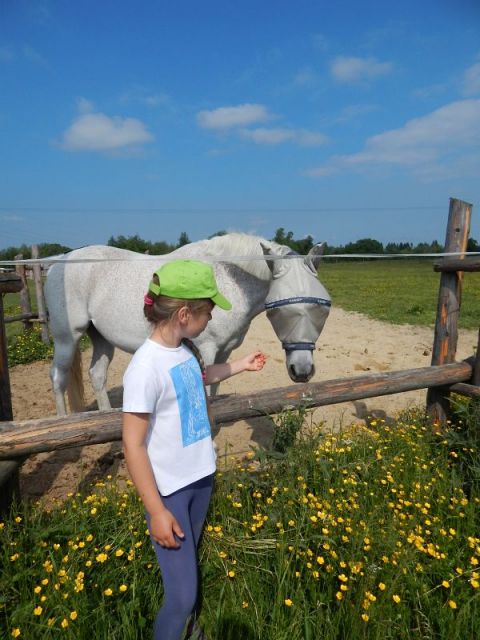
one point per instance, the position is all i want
(191, 401)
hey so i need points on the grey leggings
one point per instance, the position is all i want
(179, 567)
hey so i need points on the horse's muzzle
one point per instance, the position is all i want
(300, 376)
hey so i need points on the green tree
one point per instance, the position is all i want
(10, 252)
(218, 233)
(399, 247)
(183, 239)
(47, 249)
(472, 245)
(365, 245)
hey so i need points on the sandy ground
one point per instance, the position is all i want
(350, 344)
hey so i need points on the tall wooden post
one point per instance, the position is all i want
(41, 306)
(9, 283)
(25, 302)
(449, 301)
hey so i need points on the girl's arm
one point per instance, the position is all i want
(163, 525)
(218, 372)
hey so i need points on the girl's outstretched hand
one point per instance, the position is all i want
(255, 361)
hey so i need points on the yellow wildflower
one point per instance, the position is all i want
(288, 602)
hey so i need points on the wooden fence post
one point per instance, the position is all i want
(449, 301)
(25, 301)
(41, 306)
(9, 283)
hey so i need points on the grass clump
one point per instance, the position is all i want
(364, 534)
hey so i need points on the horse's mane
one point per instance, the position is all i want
(240, 244)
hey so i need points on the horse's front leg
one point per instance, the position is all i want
(101, 358)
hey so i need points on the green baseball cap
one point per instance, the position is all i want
(188, 280)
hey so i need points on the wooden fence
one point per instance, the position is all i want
(21, 439)
(27, 316)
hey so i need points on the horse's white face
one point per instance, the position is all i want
(297, 306)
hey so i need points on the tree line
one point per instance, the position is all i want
(300, 245)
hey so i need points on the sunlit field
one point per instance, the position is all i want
(368, 533)
(398, 291)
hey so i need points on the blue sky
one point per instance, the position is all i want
(340, 120)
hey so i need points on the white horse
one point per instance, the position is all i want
(99, 290)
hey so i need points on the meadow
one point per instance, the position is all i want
(366, 533)
(398, 291)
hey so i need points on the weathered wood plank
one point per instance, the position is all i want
(449, 265)
(448, 308)
(19, 439)
(470, 390)
(41, 304)
(8, 469)
(10, 282)
(20, 316)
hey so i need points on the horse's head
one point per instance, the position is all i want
(297, 305)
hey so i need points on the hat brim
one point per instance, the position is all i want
(221, 301)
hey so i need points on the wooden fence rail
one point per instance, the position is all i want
(20, 439)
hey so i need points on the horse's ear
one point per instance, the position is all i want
(275, 266)
(268, 252)
(315, 254)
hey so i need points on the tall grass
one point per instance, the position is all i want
(398, 291)
(367, 533)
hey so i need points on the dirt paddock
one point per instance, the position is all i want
(350, 344)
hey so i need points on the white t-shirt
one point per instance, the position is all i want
(167, 383)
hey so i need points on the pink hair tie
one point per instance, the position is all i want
(148, 300)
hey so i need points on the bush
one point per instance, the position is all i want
(27, 347)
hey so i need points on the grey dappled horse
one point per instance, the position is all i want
(102, 295)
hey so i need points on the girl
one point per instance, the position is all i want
(166, 430)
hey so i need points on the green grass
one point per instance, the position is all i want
(397, 291)
(11, 307)
(364, 534)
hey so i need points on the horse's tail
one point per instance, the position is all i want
(75, 388)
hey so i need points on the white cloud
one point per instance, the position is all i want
(349, 70)
(143, 95)
(33, 56)
(301, 137)
(471, 80)
(268, 136)
(320, 42)
(305, 78)
(11, 218)
(228, 117)
(85, 106)
(98, 132)
(441, 137)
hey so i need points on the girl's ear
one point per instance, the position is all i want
(183, 314)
